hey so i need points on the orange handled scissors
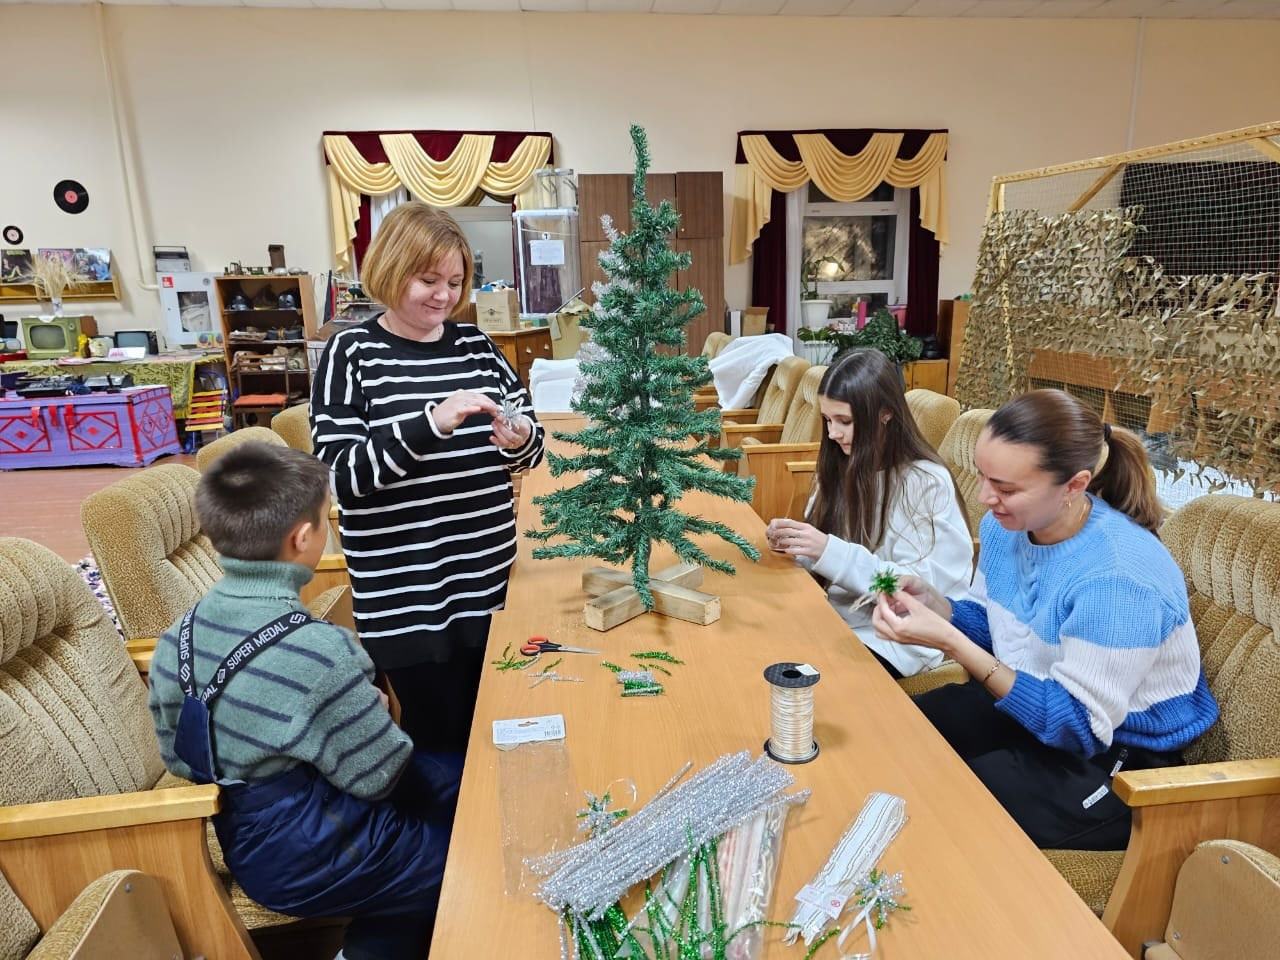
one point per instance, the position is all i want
(537, 645)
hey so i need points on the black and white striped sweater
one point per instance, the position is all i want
(426, 518)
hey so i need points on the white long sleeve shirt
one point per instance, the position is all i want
(926, 536)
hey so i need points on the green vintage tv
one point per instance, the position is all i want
(47, 338)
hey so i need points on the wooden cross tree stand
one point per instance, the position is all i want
(616, 600)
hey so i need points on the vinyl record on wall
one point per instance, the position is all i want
(71, 196)
(12, 235)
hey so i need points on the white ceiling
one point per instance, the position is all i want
(1165, 9)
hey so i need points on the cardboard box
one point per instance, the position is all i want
(567, 334)
(497, 310)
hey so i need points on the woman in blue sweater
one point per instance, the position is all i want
(1079, 644)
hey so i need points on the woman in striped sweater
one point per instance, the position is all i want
(1079, 641)
(423, 421)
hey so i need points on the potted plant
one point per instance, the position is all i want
(881, 332)
(814, 309)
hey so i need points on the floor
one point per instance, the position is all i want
(44, 505)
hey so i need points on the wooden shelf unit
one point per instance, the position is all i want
(294, 383)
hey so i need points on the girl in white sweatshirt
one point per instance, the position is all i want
(882, 500)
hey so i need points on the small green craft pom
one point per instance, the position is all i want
(886, 582)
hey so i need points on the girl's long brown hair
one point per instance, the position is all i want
(853, 493)
(1069, 437)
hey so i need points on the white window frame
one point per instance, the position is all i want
(799, 207)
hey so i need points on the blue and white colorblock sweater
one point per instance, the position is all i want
(1098, 628)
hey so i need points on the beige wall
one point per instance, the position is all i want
(226, 106)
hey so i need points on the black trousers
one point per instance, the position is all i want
(1061, 800)
(437, 699)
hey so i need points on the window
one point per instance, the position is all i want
(861, 246)
(487, 226)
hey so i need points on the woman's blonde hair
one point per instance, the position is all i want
(412, 239)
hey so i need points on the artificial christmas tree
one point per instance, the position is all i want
(644, 446)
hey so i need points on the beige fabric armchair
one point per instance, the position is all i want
(293, 425)
(934, 413)
(155, 561)
(81, 764)
(767, 448)
(1229, 550)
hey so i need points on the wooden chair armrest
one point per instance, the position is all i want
(83, 814)
(1201, 781)
(746, 416)
(141, 650)
(1174, 809)
(332, 562)
(792, 451)
(705, 401)
(49, 852)
(733, 434)
(802, 466)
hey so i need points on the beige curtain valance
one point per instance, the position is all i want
(841, 177)
(442, 183)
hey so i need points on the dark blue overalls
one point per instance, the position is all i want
(302, 847)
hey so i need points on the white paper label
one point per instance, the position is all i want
(1094, 797)
(546, 253)
(510, 733)
(830, 902)
(555, 327)
(805, 670)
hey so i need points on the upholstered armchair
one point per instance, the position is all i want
(934, 413)
(122, 913)
(775, 401)
(705, 397)
(294, 426)
(1226, 903)
(767, 448)
(956, 450)
(1229, 550)
(81, 763)
(229, 441)
(154, 559)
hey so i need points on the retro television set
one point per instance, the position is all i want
(47, 338)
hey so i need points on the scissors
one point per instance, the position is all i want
(537, 645)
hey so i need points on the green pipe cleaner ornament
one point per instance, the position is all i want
(646, 445)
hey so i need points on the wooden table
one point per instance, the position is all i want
(977, 885)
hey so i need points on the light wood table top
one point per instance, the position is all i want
(977, 886)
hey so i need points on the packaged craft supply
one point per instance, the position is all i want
(534, 798)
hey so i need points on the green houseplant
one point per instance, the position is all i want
(814, 309)
(881, 332)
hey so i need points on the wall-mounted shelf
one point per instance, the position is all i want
(91, 290)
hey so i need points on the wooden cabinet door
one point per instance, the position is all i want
(598, 194)
(700, 199)
(927, 375)
(706, 273)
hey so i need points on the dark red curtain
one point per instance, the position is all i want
(769, 252)
(438, 145)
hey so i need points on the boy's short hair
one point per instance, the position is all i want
(412, 239)
(251, 497)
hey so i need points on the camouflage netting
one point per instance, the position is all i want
(1152, 298)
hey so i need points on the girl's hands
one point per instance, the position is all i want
(511, 436)
(450, 412)
(795, 538)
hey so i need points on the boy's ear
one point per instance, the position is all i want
(300, 537)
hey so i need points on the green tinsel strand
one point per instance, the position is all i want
(658, 655)
(642, 690)
(509, 663)
(820, 941)
(654, 666)
(612, 667)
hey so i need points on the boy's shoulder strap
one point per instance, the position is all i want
(252, 645)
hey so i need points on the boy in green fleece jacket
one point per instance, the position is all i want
(326, 809)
